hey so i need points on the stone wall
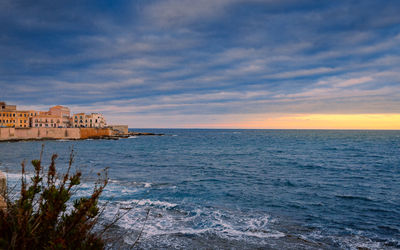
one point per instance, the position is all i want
(8, 134)
(51, 133)
(38, 133)
(86, 133)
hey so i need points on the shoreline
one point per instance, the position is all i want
(46, 134)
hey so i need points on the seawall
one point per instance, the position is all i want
(10, 134)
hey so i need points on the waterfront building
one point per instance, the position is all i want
(22, 119)
(57, 117)
(7, 115)
(93, 120)
(46, 120)
(62, 112)
(96, 120)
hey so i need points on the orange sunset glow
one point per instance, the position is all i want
(317, 121)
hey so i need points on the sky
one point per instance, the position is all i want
(206, 63)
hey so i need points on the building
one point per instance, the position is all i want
(44, 119)
(4, 106)
(62, 112)
(94, 120)
(7, 115)
(22, 119)
(57, 117)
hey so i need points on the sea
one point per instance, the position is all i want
(238, 189)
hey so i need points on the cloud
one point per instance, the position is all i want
(354, 81)
(208, 58)
(177, 13)
(303, 72)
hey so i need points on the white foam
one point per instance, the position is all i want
(352, 242)
(162, 221)
(148, 202)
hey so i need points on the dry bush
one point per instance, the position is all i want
(42, 217)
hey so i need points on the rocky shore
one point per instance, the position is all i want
(119, 136)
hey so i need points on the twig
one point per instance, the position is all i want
(141, 231)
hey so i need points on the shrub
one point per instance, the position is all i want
(42, 217)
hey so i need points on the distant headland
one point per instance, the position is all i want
(57, 123)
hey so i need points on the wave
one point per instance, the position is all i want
(174, 220)
(351, 197)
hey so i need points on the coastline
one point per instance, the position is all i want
(44, 134)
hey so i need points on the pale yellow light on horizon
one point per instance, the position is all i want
(315, 121)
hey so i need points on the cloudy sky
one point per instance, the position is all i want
(206, 63)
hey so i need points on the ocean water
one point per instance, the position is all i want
(241, 189)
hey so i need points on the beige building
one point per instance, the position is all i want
(94, 120)
(45, 120)
(62, 112)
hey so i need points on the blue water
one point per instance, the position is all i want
(242, 189)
